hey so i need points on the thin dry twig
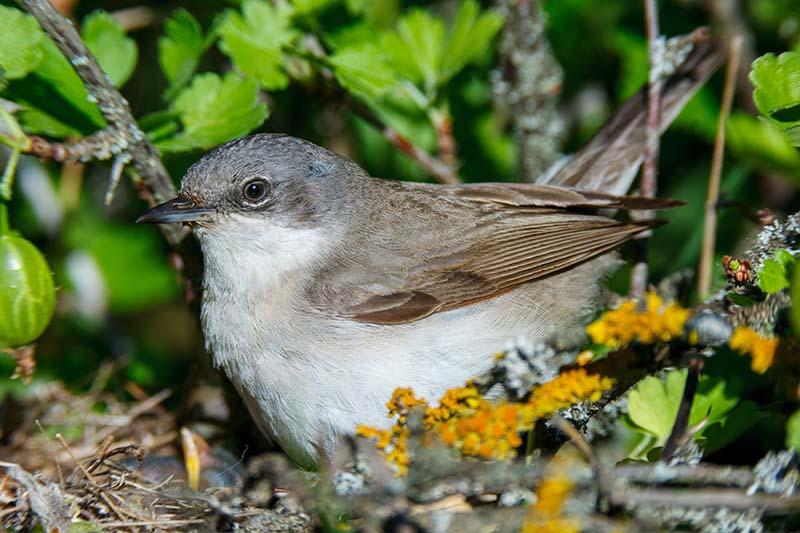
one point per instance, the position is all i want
(656, 46)
(712, 198)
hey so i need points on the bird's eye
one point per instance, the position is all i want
(256, 190)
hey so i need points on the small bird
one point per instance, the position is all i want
(324, 289)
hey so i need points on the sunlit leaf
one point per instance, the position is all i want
(777, 86)
(362, 69)
(773, 276)
(416, 47)
(469, 37)
(653, 404)
(213, 110)
(254, 39)
(115, 52)
(20, 40)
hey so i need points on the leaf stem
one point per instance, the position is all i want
(4, 226)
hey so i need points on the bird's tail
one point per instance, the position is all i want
(610, 161)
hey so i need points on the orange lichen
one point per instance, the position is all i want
(761, 349)
(657, 322)
(567, 389)
(476, 426)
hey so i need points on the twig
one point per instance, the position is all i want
(684, 409)
(123, 132)
(441, 171)
(712, 198)
(656, 47)
(704, 474)
(604, 482)
(715, 497)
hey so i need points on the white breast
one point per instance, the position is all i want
(308, 378)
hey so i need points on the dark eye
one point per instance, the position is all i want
(256, 190)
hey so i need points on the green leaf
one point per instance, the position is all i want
(254, 40)
(653, 404)
(773, 275)
(122, 253)
(180, 49)
(728, 429)
(58, 73)
(214, 110)
(777, 86)
(793, 431)
(762, 142)
(416, 47)
(20, 40)
(795, 314)
(469, 38)
(115, 52)
(362, 70)
(38, 122)
(311, 7)
(423, 52)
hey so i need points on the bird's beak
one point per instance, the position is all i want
(179, 209)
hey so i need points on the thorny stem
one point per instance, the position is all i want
(712, 198)
(656, 46)
(123, 130)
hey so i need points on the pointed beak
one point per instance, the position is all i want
(180, 209)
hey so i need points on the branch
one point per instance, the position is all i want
(527, 83)
(122, 135)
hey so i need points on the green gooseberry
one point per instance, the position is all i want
(27, 294)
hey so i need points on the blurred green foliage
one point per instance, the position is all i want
(202, 72)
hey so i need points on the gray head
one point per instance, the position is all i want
(288, 181)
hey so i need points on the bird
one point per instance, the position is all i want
(325, 288)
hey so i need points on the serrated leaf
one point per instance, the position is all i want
(214, 110)
(254, 39)
(181, 47)
(416, 47)
(469, 37)
(362, 70)
(777, 86)
(20, 40)
(115, 52)
(773, 275)
(422, 51)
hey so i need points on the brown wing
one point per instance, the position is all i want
(495, 264)
(471, 242)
